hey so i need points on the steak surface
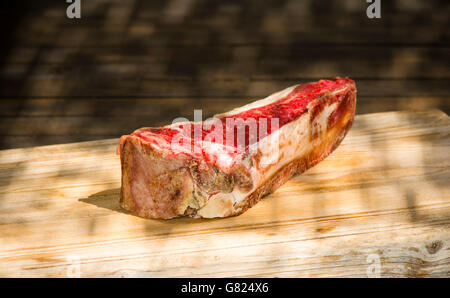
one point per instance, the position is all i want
(224, 165)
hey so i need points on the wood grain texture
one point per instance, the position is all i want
(202, 87)
(384, 192)
(217, 62)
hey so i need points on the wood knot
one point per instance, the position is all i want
(434, 247)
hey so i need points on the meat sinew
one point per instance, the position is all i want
(223, 166)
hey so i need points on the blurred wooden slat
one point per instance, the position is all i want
(354, 36)
(82, 85)
(269, 63)
(405, 10)
(268, 26)
(85, 56)
(36, 139)
(383, 192)
(153, 108)
(270, 20)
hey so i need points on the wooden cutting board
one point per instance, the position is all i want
(378, 206)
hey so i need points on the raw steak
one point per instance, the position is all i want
(225, 165)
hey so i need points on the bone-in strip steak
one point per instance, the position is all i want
(225, 165)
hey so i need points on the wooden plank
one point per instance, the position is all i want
(9, 141)
(117, 86)
(383, 193)
(217, 53)
(268, 24)
(271, 19)
(351, 36)
(238, 62)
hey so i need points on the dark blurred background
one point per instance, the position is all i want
(132, 63)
